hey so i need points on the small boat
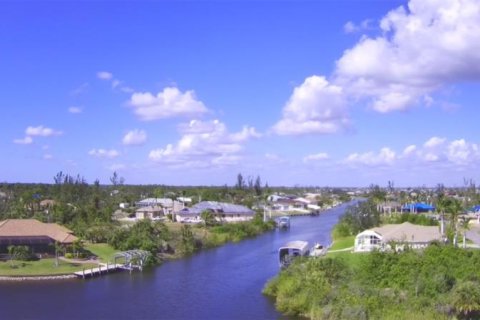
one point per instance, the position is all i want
(318, 250)
(284, 222)
(292, 250)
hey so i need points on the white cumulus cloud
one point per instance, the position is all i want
(316, 106)
(170, 102)
(135, 137)
(104, 153)
(41, 131)
(104, 75)
(429, 44)
(316, 157)
(386, 156)
(203, 143)
(75, 110)
(26, 140)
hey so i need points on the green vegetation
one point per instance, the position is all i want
(357, 218)
(40, 267)
(343, 243)
(440, 282)
(103, 251)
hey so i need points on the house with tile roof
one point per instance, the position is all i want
(37, 235)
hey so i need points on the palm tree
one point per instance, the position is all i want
(465, 226)
(452, 207)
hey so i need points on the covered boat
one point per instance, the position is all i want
(291, 250)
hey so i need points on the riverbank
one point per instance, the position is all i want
(184, 240)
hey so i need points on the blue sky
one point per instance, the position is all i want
(325, 93)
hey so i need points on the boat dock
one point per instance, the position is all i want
(97, 271)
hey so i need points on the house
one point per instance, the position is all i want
(169, 206)
(389, 207)
(223, 212)
(418, 207)
(37, 235)
(380, 238)
(149, 212)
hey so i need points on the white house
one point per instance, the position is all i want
(379, 238)
(223, 212)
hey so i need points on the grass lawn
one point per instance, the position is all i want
(343, 243)
(103, 251)
(39, 268)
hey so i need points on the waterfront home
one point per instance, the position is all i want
(381, 238)
(222, 212)
(38, 236)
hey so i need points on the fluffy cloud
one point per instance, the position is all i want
(316, 106)
(26, 140)
(104, 75)
(435, 151)
(134, 138)
(386, 156)
(203, 143)
(424, 47)
(41, 131)
(168, 103)
(316, 157)
(103, 153)
(75, 110)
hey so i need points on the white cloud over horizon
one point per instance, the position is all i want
(316, 106)
(104, 153)
(104, 75)
(316, 157)
(135, 137)
(203, 143)
(422, 48)
(41, 131)
(170, 102)
(26, 140)
(75, 110)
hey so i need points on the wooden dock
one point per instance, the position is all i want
(97, 271)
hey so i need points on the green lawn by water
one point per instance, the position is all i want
(41, 267)
(103, 251)
(343, 243)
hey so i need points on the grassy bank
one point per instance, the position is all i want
(42, 267)
(441, 282)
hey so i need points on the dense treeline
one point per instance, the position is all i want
(438, 283)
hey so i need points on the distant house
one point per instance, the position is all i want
(379, 238)
(223, 212)
(47, 204)
(37, 235)
(168, 205)
(389, 207)
(418, 207)
(149, 212)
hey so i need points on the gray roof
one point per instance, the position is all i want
(408, 232)
(164, 202)
(218, 207)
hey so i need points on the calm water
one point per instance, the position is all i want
(221, 283)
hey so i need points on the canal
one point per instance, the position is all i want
(220, 283)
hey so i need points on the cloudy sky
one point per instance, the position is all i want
(325, 93)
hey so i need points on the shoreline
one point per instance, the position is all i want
(37, 278)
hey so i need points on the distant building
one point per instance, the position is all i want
(149, 212)
(168, 205)
(223, 212)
